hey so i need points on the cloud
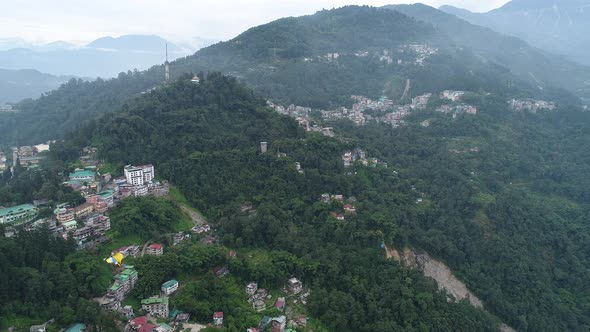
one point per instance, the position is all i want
(179, 20)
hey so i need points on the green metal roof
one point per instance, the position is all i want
(116, 285)
(129, 271)
(106, 193)
(84, 174)
(76, 328)
(169, 283)
(166, 326)
(16, 209)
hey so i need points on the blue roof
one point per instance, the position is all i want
(76, 328)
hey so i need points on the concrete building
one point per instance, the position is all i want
(82, 175)
(134, 175)
(294, 286)
(139, 175)
(169, 287)
(155, 249)
(148, 172)
(218, 318)
(156, 306)
(263, 147)
(251, 288)
(18, 214)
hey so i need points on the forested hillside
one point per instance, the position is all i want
(500, 194)
(353, 286)
(317, 61)
(16, 85)
(501, 205)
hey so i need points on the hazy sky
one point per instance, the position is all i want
(178, 20)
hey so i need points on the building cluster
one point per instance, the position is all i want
(303, 117)
(347, 208)
(530, 105)
(452, 95)
(139, 181)
(260, 299)
(421, 102)
(457, 109)
(123, 284)
(87, 223)
(29, 156)
(3, 162)
(421, 51)
(408, 54)
(359, 155)
(7, 108)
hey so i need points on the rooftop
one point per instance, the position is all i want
(76, 328)
(169, 283)
(82, 173)
(16, 209)
(139, 320)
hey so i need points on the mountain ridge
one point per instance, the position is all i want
(554, 26)
(104, 57)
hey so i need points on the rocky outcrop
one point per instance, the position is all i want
(441, 273)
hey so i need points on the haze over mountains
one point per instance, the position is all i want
(558, 26)
(16, 85)
(104, 57)
(540, 68)
(481, 177)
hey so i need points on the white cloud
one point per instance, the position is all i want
(179, 20)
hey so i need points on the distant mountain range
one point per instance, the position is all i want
(104, 57)
(557, 26)
(530, 64)
(321, 60)
(16, 85)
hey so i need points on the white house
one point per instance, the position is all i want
(169, 287)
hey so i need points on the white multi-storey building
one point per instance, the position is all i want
(148, 172)
(134, 175)
(139, 175)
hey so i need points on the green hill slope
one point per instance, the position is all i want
(317, 60)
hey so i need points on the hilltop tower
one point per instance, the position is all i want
(167, 66)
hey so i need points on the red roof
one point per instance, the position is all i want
(280, 303)
(156, 246)
(138, 321)
(348, 206)
(218, 314)
(147, 328)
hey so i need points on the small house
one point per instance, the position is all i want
(218, 318)
(294, 285)
(251, 288)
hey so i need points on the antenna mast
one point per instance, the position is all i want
(166, 66)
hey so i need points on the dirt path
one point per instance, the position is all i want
(197, 218)
(407, 89)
